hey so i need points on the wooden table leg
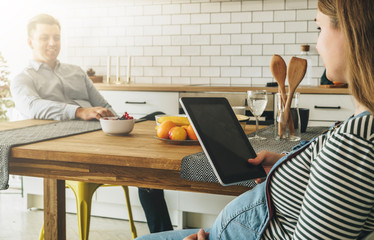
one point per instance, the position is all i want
(54, 209)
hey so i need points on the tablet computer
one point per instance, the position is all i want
(222, 138)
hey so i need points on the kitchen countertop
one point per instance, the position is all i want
(210, 88)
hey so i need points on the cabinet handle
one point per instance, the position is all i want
(129, 102)
(325, 107)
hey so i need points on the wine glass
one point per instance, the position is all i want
(257, 101)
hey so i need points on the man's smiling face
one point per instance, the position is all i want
(45, 43)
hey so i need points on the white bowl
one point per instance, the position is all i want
(112, 125)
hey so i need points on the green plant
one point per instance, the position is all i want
(5, 96)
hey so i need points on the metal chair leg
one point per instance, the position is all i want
(129, 210)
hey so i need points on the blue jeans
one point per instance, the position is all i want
(243, 218)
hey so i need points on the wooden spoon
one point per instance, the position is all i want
(278, 69)
(296, 71)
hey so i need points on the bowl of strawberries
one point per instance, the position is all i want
(117, 125)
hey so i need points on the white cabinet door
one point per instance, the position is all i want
(325, 108)
(139, 103)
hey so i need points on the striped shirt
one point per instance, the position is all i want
(327, 191)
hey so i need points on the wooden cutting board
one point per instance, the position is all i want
(334, 86)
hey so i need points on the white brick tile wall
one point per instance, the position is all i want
(200, 61)
(143, 41)
(210, 28)
(252, 49)
(306, 37)
(241, 39)
(180, 61)
(171, 9)
(181, 19)
(306, 14)
(296, 26)
(171, 71)
(240, 61)
(161, 80)
(163, 19)
(240, 81)
(181, 80)
(171, 30)
(210, 7)
(190, 72)
(210, 50)
(152, 30)
(251, 27)
(143, 61)
(216, 42)
(261, 61)
(296, 4)
(161, 40)
(284, 38)
(200, 18)
(252, 5)
(172, 51)
(191, 29)
(210, 71)
(200, 80)
(231, 50)
(152, 71)
(241, 17)
(220, 39)
(284, 16)
(231, 6)
(220, 18)
(200, 40)
(190, 50)
(142, 20)
(273, 5)
(180, 40)
(271, 27)
(262, 38)
(231, 28)
(274, 49)
(222, 81)
(162, 61)
(152, 9)
(191, 8)
(266, 16)
(220, 61)
(251, 71)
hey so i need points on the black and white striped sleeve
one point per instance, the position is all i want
(339, 197)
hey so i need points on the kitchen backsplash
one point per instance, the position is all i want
(189, 41)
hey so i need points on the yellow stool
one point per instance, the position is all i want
(83, 193)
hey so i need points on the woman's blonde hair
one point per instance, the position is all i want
(356, 19)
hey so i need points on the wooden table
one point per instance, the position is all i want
(137, 159)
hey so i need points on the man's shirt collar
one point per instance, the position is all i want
(36, 65)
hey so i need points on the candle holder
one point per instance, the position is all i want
(118, 76)
(108, 70)
(128, 79)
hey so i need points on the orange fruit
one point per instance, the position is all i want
(191, 133)
(164, 128)
(177, 133)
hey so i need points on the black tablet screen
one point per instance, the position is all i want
(223, 138)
